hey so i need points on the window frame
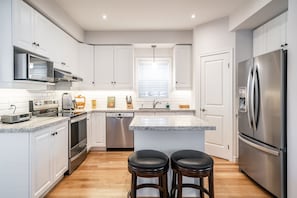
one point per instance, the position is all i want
(136, 77)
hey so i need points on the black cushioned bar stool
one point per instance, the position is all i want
(148, 163)
(194, 164)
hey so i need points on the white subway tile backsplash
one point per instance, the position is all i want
(20, 98)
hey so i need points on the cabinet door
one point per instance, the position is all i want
(123, 67)
(41, 162)
(85, 67)
(183, 66)
(60, 150)
(98, 130)
(276, 32)
(259, 41)
(42, 34)
(89, 131)
(22, 25)
(104, 67)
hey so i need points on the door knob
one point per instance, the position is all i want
(203, 110)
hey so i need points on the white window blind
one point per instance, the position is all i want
(153, 78)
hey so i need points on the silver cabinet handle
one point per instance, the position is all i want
(203, 110)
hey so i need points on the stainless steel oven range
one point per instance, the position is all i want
(77, 141)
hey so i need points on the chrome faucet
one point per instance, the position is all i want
(155, 102)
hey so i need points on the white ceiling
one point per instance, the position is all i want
(146, 14)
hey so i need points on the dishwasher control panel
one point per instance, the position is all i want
(120, 114)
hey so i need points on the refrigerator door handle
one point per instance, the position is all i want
(257, 96)
(259, 147)
(252, 98)
(249, 97)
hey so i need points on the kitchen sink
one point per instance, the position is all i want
(153, 109)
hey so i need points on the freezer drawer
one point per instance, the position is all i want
(264, 165)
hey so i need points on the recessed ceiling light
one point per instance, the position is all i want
(104, 16)
(193, 16)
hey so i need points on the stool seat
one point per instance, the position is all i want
(148, 163)
(195, 164)
(191, 159)
(148, 159)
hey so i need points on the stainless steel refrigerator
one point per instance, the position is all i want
(262, 120)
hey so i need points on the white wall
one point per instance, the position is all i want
(56, 14)
(292, 99)
(208, 38)
(133, 37)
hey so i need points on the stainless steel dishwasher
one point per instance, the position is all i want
(118, 135)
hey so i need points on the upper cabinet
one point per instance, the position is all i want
(113, 67)
(85, 67)
(63, 50)
(270, 36)
(35, 33)
(30, 29)
(182, 61)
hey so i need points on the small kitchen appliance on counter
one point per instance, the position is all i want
(15, 118)
(80, 102)
(129, 102)
(67, 103)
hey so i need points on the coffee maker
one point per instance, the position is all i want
(67, 102)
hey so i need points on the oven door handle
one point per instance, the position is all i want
(78, 118)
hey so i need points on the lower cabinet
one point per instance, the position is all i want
(33, 162)
(98, 130)
(49, 157)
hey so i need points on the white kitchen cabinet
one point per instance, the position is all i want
(49, 152)
(60, 151)
(34, 162)
(85, 67)
(98, 132)
(270, 36)
(182, 61)
(114, 67)
(30, 29)
(89, 131)
(63, 50)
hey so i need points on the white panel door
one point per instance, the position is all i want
(216, 100)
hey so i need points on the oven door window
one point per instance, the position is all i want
(78, 132)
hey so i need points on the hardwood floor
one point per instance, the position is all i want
(105, 175)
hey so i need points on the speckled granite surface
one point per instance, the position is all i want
(36, 123)
(166, 123)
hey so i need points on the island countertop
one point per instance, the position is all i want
(165, 123)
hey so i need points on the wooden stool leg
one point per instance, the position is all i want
(210, 184)
(133, 185)
(179, 185)
(202, 187)
(173, 184)
(164, 185)
(160, 184)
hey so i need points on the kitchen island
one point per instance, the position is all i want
(168, 134)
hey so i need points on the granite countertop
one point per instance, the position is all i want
(36, 123)
(139, 110)
(165, 123)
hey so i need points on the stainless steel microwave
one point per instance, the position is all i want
(31, 67)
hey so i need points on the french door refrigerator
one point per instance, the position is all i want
(262, 120)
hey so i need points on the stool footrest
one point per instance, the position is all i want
(147, 185)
